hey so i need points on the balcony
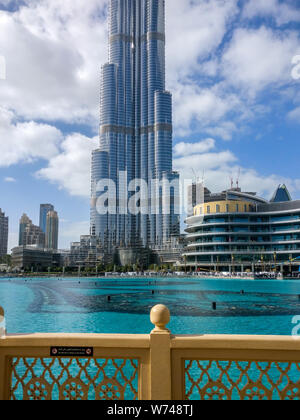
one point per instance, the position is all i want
(158, 366)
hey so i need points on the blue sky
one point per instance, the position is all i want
(236, 99)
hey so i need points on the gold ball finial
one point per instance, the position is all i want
(160, 317)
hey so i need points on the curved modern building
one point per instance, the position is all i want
(135, 122)
(241, 231)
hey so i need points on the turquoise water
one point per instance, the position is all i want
(81, 305)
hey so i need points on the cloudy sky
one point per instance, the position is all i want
(232, 66)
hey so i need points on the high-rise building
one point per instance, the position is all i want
(135, 130)
(196, 193)
(3, 233)
(44, 210)
(88, 251)
(29, 234)
(24, 222)
(52, 230)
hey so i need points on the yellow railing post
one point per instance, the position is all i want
(2, 323)
(4, 391)
(160, 354)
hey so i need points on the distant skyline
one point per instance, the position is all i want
(232, 69)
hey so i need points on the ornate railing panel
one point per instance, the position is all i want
(235, 367)
(74, 379)
(236, 380)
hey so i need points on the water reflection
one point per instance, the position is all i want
(137, 297)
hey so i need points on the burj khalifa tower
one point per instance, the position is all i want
(135, 131)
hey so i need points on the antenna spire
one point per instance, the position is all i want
(238, 178)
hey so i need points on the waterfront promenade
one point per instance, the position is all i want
(154, 275)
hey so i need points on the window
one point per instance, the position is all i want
(227, 208)
(208, 209)
(245, 208)
(237, 209)
(217, 208)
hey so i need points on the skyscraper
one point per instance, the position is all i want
(196, 194)
(29, 234)
(44, 209)
(135, 129)
(52, 230)
(3, 233)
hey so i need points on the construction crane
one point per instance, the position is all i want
(195, 176)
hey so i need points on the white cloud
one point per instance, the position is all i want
(25, 142)
(219, 167)
(10, 179)
(203, 162)
(67, 158)
(198, 109)
(70, 169)
(259, 58)
(53, 52)
(184, 149)
(282, 12)
(224, 130)
(195, 29)
(294, 115)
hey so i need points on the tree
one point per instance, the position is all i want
(5, 259)
(109, 268)
(100, 268)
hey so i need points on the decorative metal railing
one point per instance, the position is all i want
(158, 366)
(229, 380)
(74, 379)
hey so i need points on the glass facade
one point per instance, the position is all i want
(3, 233)
(268, 235)
(44, 209)
(99, 222)
(281, 195)
(135, 124)
(52, 230)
